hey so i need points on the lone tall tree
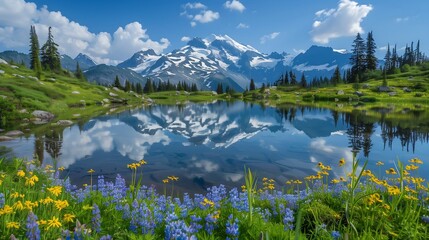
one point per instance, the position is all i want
(34, 52)
(79, 73)
(357, 60)
(252, 85)
(371, 60)
(50, 55)
(336, 78)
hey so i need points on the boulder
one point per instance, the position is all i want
(105, 100)
(43, 115)
(2, 61)
(186, 93)
(113, 94)
(14, 133)
(177, 93)
(214, 93)
(3, 97)
(34, 78)
(51, 79)
(13, 66)
(340, 92)
(405, 89)
(75, 92)
(365, 86)
(5, 138)
(358, 93)
(383, 89)
(116, 89)
(1, 72)
(64, 122)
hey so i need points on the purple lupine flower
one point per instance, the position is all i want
(232, 228)
(195, 225)
(187, 201)
(66, 234)
(2, 200)
(135, 220)
(101, 186)
(96, 218)
(33, 231)
(210, 223)
(288, 219)
(147, 223)
(425, 219)
(126, 211)
(177, 230)
(106, 237)
(216, 194)
(158, 215)
(335, 235)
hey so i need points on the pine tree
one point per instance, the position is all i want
(336, 78)
(252, 85)
(127, 86)
(117, 83)
(371, 60)
(34, 52)
(292, 78)
(50, 55)
(79, 73)
(219, 88)
(303, 82)
(139, 88)
(357, 60)
(393, 61)
(387, 58)
(148, 87)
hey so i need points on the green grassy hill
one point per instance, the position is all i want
(64, 96)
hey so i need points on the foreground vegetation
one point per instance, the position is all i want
(36, 204)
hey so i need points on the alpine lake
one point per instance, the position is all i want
(210, 144)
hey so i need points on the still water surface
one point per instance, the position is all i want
(209, 144)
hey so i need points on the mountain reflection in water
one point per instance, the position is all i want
(209, 144)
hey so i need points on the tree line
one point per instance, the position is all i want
(151, 86)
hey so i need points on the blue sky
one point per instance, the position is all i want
(110, 31)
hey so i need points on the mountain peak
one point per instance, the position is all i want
(197, 42)
(85, 60)
(216, 39)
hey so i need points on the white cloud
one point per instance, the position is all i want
(16, 16)
(341, 22)
(234, 5)
(242, 26)
(196, 5)
(402, 19)
(185, 39)
(199, 13)
(383, 48)
(268, 37)
(206, 16)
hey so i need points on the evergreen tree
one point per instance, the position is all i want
(148, 87)
(262, 89)
(252, 85)
(336, 78)
(139, 88)
(50, 55)
(393, 61)
(371, 60)
(357, 60)
(303, 82)
(34, 52)
(286, 79)
(117, 83)
(292, 78)
(127, 86)
(219, 88)
(79, 73)
(387, 58)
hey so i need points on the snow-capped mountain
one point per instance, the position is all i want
(221, 59)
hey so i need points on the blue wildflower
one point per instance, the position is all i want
(232, 228)
(425, 219)
(2, 200)
(288, 219)
(335, 235)
(33, 231)
(96, 218)
(177, 230)
(106, 237)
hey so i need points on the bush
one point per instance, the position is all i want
(405, 68)
(7, 112)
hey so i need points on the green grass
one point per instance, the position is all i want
(55, 96)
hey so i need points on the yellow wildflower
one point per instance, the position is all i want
(173, 178)
(297, 182)
(379, 163)
(264, 179)
(165, 180)
(411, 167)
(206, 202)
(393, 190)
(409, 197)
(20, 173)
(91, 171)
(416, 160)
(290, 182)
(14, 195)
(142, 162)
(18, 205)
(335, 181)
(12, 225)
(87, 207)
(342, 162)
(53, 223)
(42, 222)
(374, 198)
(367, 173)
(6, 210)
(342, 179)
(271, 186)
(391, 171)
(55, 190)
(61, 169)
(47, 167)
(61, 204)
(68, 217)
(47, 200)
